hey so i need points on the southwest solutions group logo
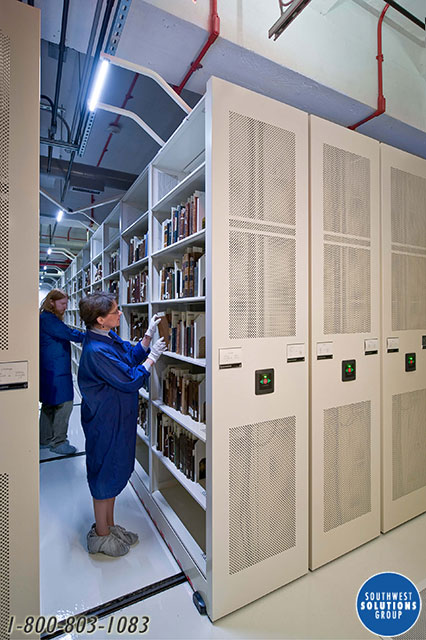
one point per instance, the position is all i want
(388, 604)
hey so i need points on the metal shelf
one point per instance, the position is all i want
(193, 488)
(198, 429)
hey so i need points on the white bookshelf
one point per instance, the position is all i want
(229, 536)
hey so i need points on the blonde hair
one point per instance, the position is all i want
(52, 296)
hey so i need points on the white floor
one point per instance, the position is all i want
(321, 604)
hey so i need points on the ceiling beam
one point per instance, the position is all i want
(113, 179)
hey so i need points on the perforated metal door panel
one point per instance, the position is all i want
(408, 442)
(262, 491)
(345, 299)
(404, 317)
(347, 463)
(257, 239)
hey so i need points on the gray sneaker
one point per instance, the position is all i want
(64, 449)
(126, 536)
(110, 545)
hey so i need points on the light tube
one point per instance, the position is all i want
(98, 84)
(59, 215)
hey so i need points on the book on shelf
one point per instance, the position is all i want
(143, 416)
(137, 288)
(164, 327)
(199, 339)
(200, 462)
(87, 281)
(114, 261)
(138, 248)
(187, 333)
(138, 324)
(181, 391)
(98, 272)
(181, 447)
(185, 219)
(113, 287)
(179, 280)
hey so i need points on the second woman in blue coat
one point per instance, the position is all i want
(110, 374)
(56, 385)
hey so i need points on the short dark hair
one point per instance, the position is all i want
(95, 305)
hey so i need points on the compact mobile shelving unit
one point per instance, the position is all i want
(242, 531)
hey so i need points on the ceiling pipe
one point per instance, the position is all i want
(83, 113)
(86, 66)
(381, 100)
(60, 116)
(214, 31)
(127, 97)
(54, 121)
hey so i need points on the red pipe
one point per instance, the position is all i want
(55, 264)
(381, 100)
(46, 235)
(127, 97)
(214, 31)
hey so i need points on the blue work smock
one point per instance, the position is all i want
(109, 376)
(56, 384)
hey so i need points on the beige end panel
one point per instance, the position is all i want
(256, 154)
(345, 290)
(19, 181)
(404, 318)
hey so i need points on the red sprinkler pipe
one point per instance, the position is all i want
(381, 100)
(127, 97)
(214, 32)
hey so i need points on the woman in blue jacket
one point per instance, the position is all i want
(110, 375)
(56, 386)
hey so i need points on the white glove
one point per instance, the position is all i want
(157, 349)
(152, 325)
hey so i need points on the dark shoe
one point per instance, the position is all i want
(64, 449)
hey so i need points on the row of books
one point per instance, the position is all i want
(87, 280)
(187, 218)
(138, 248)
(138, 325)
(186, 278)
(113, 287)
(143, 416)
(186, 333)
(137, 288)
(185, 392)
(98, 272)
(114, 261)
(187, 453)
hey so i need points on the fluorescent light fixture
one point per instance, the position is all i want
(287, 18)
(98, 84)
(59, 215)
(49, 251)
(44, 268)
